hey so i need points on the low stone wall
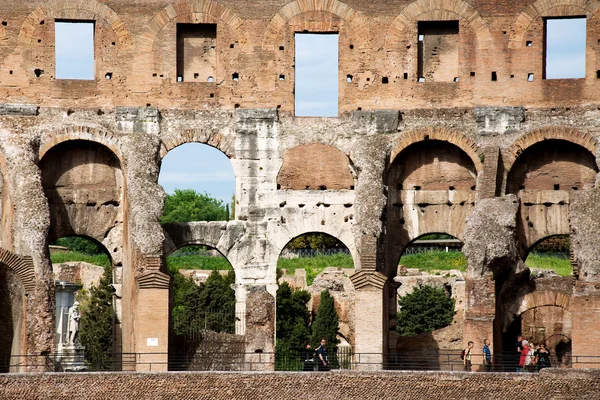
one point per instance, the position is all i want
(549, 384)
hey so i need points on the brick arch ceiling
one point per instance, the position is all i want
(463, 142)
(297, 7)
(203, 11)
(542, 8)
(440, 10)
(85, 133)
(217, 140)
(22, 266)
(571, 135)
(545, 298)
(53, 7)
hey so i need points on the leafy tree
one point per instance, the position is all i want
(96, 323)
(424, 310)
(326, 323)
(292, 317)
(315, 241)
(188, 205)
(80, 245)
(197, 307)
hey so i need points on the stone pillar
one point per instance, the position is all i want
(260, 329)
(370, 311)
(30, 224)
(145, 287)
(585, 303)
(151, 318)
(492, 256)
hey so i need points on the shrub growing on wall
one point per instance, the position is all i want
(424, 310)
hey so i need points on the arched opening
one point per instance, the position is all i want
(550, 255)
(203, 321)
(431, 188)
(314, 300)
(12, 301)
(427, 307)
(88, 331)
(83, 183)
(543, 177)
(553, 165)
(534, 303)
(200, 184)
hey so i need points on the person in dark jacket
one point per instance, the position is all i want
(308, 357)
(321, 352)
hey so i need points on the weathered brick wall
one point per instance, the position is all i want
(346, 385)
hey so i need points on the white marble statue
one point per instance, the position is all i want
(73, 326)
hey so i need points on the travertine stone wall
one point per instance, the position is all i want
(402, 159)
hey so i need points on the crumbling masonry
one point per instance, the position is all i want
(460, 135)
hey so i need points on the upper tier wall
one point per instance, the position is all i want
(136, 46)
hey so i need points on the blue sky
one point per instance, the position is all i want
(207, 170)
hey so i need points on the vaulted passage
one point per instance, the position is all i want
(431, 188)
(83, 184)
(553, 165)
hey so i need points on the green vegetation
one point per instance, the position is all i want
(560, 265)
(326, 324)
(315, 241)
(208, 305)
(188, 205)
(435, 260)
(293, 317)
(178, 262)
(80, 245)
(315, 265)
(97, 259)
(426, 309)
(96, 323)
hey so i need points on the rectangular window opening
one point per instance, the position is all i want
(74, 49)
(196, 52)
(564, 48)
(316, 81)
(438, 50)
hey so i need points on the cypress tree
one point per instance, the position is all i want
(96, 324)
(326, 323)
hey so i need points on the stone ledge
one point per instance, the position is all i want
(385, 121)
(256, 114)
(19, 110)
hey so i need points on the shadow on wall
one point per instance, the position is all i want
(11, 299)
(417, 353)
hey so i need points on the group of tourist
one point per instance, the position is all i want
(316, 360)
(532, 357)
(528, 357)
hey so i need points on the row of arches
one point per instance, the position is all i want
(209, 11)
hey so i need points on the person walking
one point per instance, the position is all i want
(321, 352)
(467, 360)
(487, 356)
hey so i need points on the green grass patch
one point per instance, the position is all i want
(96, 259)
(560, 265)
(194, 261)
(315, 265)
(436, 260)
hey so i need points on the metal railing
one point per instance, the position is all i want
(344, 359)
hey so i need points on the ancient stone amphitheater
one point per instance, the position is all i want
(446, 124)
